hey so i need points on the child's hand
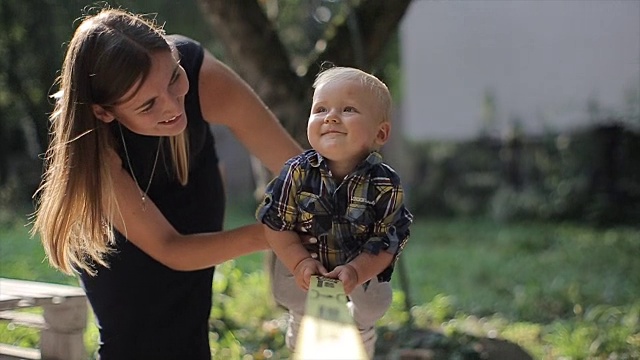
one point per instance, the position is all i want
(305, 269)
(347, 274)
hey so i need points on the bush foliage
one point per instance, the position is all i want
(556, 291)
(590, 175)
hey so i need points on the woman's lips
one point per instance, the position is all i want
(173, 119)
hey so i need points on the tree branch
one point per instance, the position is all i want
(255, 51)
(377, 21)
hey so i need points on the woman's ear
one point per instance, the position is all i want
(102, 113)
(384, 129)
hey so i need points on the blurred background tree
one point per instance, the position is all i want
(31, 36)
(277, 46)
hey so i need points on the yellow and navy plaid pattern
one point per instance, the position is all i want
(365, 212)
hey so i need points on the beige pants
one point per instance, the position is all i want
(366, 307)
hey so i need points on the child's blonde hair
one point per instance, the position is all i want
(377, 87)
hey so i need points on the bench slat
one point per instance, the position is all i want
(8, 302)
(24, 319)
(21, 293)
(61, 324)
(38, 290)
(8, 352)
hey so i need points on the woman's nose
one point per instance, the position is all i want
(174, 104)
(171, 105)
(174, 96)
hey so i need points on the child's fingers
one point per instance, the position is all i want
(322, 270)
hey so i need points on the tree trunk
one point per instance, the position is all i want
(255, 51)
(361, 40)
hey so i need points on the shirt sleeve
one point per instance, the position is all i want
(392, 228)
(278, 209)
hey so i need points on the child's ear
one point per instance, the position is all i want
(384, 130)
(102, 113)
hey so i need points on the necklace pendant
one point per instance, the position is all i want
(133, 175)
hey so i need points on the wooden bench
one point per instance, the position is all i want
(61, 324)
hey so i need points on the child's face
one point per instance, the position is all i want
(345, 123)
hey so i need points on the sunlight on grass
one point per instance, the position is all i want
(22, 257)
(558, 291)
(530, 271)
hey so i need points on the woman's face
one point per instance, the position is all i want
(157, 108)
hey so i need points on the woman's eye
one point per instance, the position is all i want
(147, 108)
(175, 77)
(176, 73)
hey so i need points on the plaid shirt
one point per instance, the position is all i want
(363, 213)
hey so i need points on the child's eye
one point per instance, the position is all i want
(350, 109)
(320, 109)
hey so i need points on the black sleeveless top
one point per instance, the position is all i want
(144, 309)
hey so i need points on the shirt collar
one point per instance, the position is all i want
(374, 158)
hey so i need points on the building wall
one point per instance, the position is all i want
(542, 61)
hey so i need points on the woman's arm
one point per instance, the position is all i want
(295, 257)
(150, 231)
(287, 246)
(227, 100)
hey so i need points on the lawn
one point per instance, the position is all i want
(558, 290)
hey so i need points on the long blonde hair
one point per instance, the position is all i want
(108, 53)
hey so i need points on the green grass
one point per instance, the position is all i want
(560, 291)
(557, 290)
(22, 257)
(533, 272)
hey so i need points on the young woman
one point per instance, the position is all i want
(132, 197)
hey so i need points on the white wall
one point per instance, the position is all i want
(542, 59)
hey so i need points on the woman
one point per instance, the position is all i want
(132, 197)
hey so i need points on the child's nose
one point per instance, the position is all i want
(331, 117)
